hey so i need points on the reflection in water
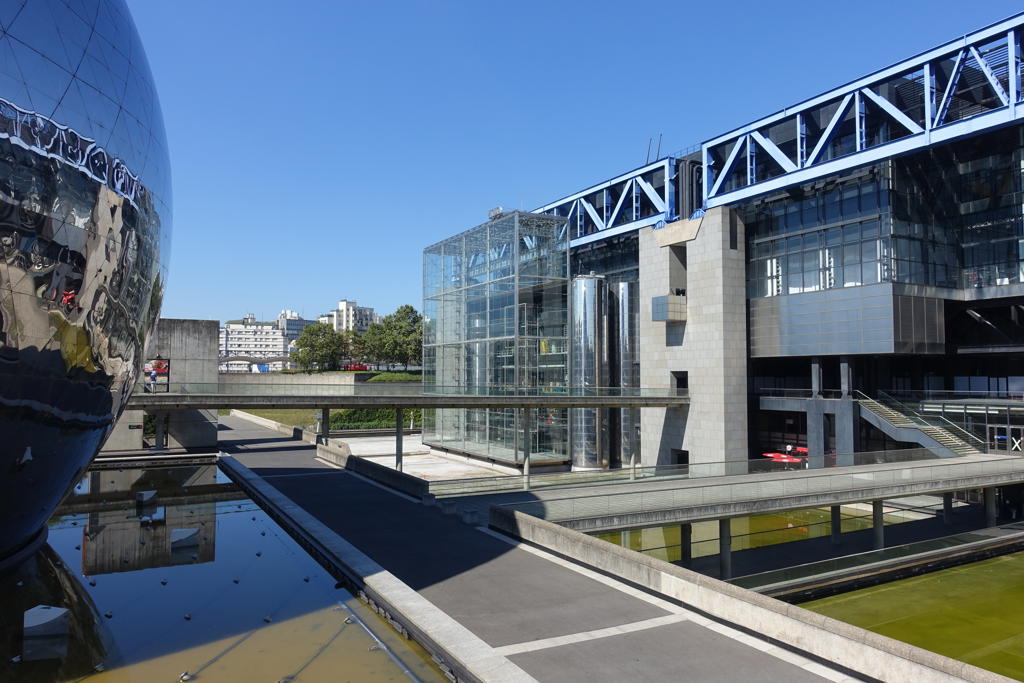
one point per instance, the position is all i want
(182, 574)
(50, 629)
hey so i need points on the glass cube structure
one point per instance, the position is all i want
(495, 316)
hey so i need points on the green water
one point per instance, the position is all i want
(972, 613)
(747, 532)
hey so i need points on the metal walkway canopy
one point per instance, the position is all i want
(967, 86)
(213, 396)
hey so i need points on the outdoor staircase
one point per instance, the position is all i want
(943, 437)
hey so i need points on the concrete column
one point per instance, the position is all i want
(815, 377)
(845, 375)
(325, 425)
(526, 447)
(686, 543)
(815, 434)
(991, 516)
(725, 549)
(515, 435)
(160, 438)
(837, 524)
(847, 415)
(947, 507)
(398, 438)
(878, 523)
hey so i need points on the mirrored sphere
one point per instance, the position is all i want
(85, 225)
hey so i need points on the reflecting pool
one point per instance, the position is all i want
(971, 613)
(757, 531)
(172, 574)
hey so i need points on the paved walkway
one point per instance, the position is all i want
(553, 619)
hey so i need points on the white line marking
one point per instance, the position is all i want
(545, 643)
(791, 657)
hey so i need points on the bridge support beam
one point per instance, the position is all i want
(836, 525)
(526, 414)
(725, 549)
(398, 439)
(325, 425)
(947, 507)
(991, 516)
(686, 544)
(878, 523)
(160, 437)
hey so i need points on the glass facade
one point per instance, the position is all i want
(951, 216)
(495, 314)
(84, 232)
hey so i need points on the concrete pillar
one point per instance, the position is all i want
(947, 507)
(815, 434)
(398, 438)
(845, 375)
(847, 415)
(725, 549)
(836, 524)
(815, 377)
(325, 425)
(160, 438)
(686, 543)
(991, 516)
(878, 523)
(527, 413)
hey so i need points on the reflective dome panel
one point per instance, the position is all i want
(85, 222)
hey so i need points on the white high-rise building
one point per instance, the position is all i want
(249, 339)
(349, 316)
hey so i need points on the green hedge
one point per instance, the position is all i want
(372, 418)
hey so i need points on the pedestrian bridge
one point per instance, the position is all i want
(704, 495)
(185, 396)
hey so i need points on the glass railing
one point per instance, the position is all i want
(396, 389)
(727, 489)
(626, 475)
(799, 393)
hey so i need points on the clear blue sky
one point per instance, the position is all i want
(318, 145)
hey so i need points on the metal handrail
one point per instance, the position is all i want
(914, 416)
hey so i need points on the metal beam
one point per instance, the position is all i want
(658, 201)
(954, 77)
(830, 129)
(773, 150)
(727, 167)
(960, 129)
(993, 81)
(892, 110)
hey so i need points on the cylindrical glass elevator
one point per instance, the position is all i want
(589, 370)
(628, 367)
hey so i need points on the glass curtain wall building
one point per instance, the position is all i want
(495, 315)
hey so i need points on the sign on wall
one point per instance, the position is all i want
(157, 375)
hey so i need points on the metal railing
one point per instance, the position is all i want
(931, 421)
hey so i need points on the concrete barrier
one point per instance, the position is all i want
(822, 637)
(461, 654)
(399, 481)
(288, 430)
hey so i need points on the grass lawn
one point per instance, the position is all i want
(396, 376)
(295, 418)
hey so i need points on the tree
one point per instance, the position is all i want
(398, 338)
(319, 347)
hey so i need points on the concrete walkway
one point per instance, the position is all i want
(553, 619)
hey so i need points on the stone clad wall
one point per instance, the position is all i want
(711, 345)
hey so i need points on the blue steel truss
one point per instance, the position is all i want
(627, 202)
(964, 87)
